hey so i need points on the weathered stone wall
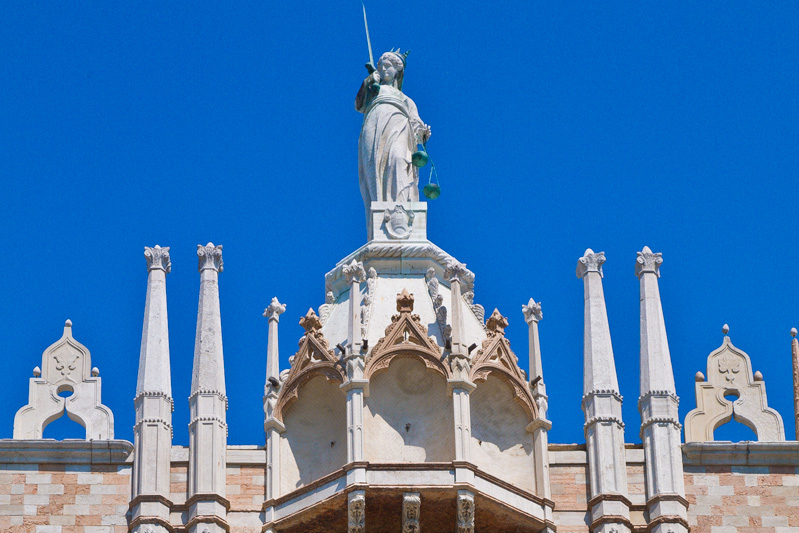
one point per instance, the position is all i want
(64, 487)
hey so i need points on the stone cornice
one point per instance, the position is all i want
(66, 451)
(602, 392)
(597, 419)
(784, 453)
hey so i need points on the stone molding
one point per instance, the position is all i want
(729, 371)
(67, 366)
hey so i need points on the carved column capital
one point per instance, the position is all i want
(274, 310)
(354, 272)
(590, 262)
(210, 257)
(456, 271)
(532, 311)
(158, 258)
(647, 262)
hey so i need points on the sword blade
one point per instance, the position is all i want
(368, 41)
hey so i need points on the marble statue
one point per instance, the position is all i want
(389, 135)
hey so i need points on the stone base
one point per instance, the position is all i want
(390, 221)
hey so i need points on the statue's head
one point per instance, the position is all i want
(391, 68)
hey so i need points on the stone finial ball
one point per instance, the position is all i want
(793, 332)
(725, 329)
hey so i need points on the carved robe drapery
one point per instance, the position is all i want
(390, 132)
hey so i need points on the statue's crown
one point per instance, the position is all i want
(400, 55)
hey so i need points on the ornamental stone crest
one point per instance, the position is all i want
(357, 512)
(398, 222)
(465, 513)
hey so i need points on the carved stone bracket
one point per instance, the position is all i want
(729, 372)
(210, 257)
(465, 512)
(158, 258)
(66, 367)
(411, 508)
(356, 511)
(590, 262)
(313, 358)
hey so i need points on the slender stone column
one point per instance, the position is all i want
(660, 426)
(541, 425)
(152, 434)
(356, 387)
(459, 386)
(604, 429)
(272, 427)
(208, 403)
(795, 356)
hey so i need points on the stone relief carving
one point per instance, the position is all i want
(357, 512)
(729, 373)
(398, 222)
(411, 505)
(326, 308)
(67, 368)
(478, 310)
(465, 513)
(368, 300)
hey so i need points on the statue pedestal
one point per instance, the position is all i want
(391, 221)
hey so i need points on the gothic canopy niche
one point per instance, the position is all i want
(495, 356)
(729, 374)
(66, 382)
(406, 337)
(313, 358)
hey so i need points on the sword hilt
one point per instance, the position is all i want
(370, 68)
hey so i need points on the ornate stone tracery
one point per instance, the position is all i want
(314, 357)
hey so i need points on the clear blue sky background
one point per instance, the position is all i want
(555, 128)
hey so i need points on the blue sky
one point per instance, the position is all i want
(555, 128)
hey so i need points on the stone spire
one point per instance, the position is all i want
(660, 426)
(795, 357)
(152, 434)
(208, 403)
(604, 429)
(272, 313)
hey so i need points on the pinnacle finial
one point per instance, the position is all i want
(725, 329)
(68, 323)
(793, 332)
(590, 262)
(274, 310)
(648, 262)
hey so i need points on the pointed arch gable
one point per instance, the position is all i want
(313, 358)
